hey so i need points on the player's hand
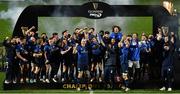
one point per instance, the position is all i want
(127, 45)
(25, 60)
(69, 48)
(109, 45)
(22, 27)
(76, 44)
(35, 55)
(47, 61)
(166, 47)
(33, 27)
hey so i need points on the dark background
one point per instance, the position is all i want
(161, 17)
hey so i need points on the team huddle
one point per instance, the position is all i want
(86, 57)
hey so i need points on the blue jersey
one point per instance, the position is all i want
(28, 38)
(49, 49)
(82, 55)
(37, 49)
(68, 54)
(91, 36)
(72, 42)
(106, 40)
(134, 51)
(30, 46)
(116, 36)
(96, 50)
(144, 45)
(151, 42)
(64, 48)
(124, 52)
(20, 49)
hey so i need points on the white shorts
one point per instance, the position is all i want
(133, 63)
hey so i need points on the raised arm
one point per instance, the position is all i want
(75, 49)
(64, 52)
(33, 27)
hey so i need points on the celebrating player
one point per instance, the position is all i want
(124, 54)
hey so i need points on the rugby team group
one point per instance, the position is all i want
(87, 56)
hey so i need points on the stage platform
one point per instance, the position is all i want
(85, 86)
